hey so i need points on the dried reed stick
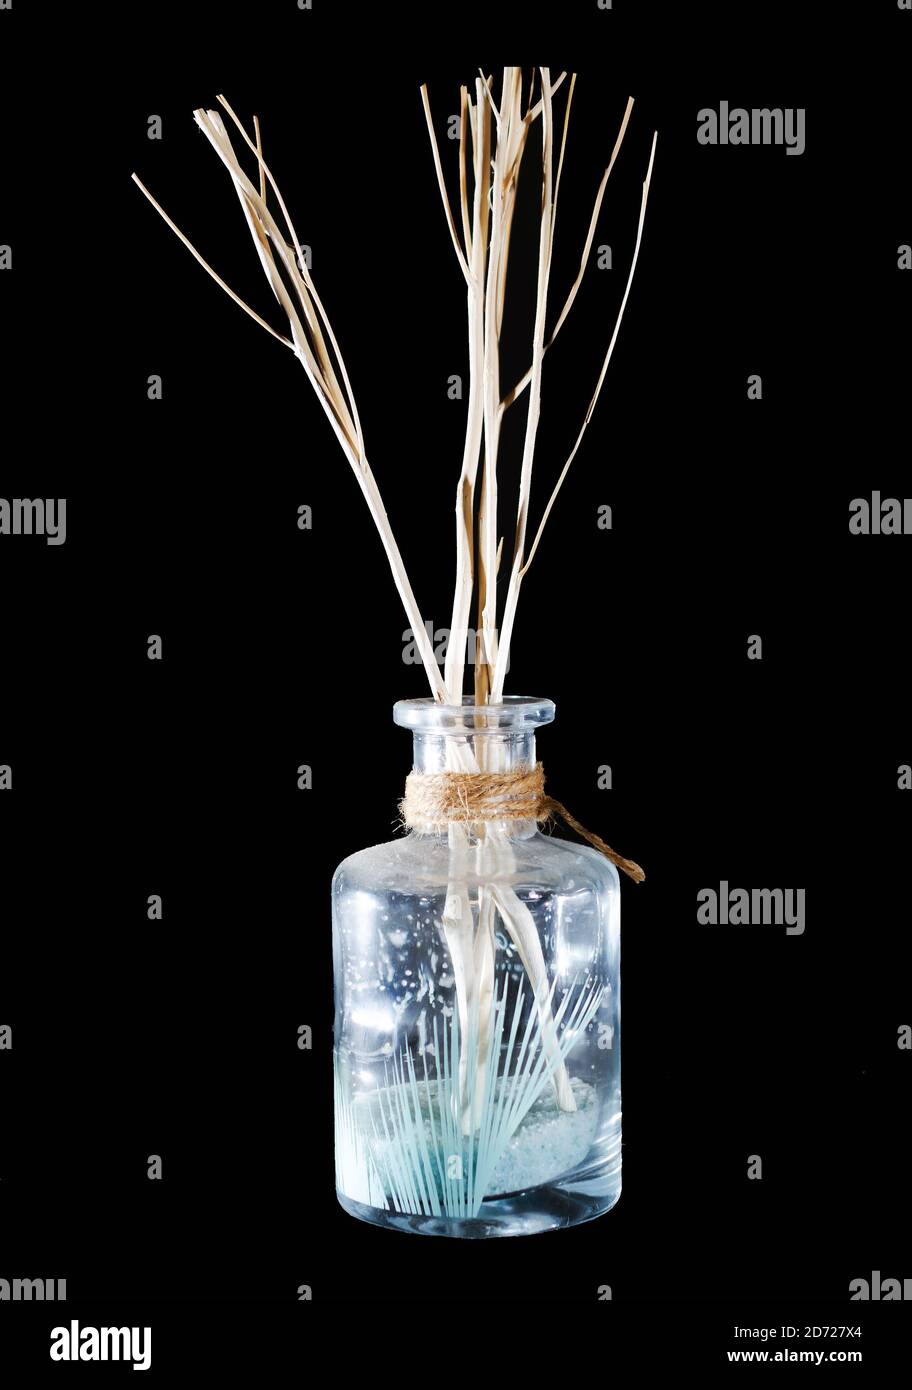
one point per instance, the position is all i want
(310, 329)
(473, 262)
(483, 256)
(485, 413)
(522, 563)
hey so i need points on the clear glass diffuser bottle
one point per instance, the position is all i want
(477, 1008)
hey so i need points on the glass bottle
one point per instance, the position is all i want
(477, 1008)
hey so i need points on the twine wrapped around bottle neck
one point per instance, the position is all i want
(435, 800)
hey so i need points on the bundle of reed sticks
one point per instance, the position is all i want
(494, 141)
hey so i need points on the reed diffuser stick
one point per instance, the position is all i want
(309, 345)
(521, 565)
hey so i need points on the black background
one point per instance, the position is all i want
(284, 647)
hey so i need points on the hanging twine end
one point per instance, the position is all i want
(551, 807)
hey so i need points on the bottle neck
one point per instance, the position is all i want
(478, 754)
(507, 752)
(471, 738)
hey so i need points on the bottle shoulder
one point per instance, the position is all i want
(429, 862)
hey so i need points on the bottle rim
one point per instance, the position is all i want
(514, 714)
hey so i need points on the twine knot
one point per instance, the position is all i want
(435, 800)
